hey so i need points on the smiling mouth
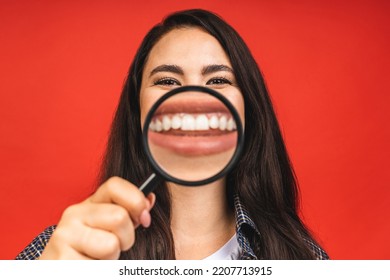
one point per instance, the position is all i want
(192, 129)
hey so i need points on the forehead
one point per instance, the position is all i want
(187, 46)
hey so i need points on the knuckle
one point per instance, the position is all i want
(71, 211)
(113, 185)
(113, 182)
(119, 216)
(138, 200)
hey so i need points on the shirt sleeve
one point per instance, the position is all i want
(34, 250)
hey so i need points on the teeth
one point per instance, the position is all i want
(152, 126)
(188, 122)
(222, 123)
(230, 125)
(214, 122)
(176, 122)
(166, 123)
(158, 126)
(201, 123)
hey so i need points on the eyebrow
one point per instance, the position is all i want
(216, 68)
(167, 68)
(178, 70)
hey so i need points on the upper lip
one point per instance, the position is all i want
(192, 106)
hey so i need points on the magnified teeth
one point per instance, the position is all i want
(214, 122)
(176, 122)
(201, 122)
(166, 123)
(158, 126)
(189, 122)
(230, 125)
(222, 123)
(152, 126)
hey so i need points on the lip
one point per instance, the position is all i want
(191, 105)
(194, 145)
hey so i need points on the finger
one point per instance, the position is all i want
(69, 253)
(95, 243)
(152, 200)
(145, 218)
(119, 191)
(61, 251)
(112, 218)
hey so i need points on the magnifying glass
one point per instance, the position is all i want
(192, 136)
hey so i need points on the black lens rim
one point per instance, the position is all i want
(233, 160)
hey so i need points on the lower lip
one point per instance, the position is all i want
(194, 145)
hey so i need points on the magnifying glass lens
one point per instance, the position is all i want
(192, 136)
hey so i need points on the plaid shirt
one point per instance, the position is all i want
(36, 247)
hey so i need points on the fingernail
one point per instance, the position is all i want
(145, 219)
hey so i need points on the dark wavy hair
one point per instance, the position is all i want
(263, 179)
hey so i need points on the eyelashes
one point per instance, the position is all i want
(219, 81)
(215, 81)
(166, 81)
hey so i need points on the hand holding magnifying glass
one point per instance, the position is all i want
(192, 136)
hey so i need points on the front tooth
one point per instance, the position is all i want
(214, 122)
(230, 125)
(201, 122)
(188, 123)
(166, 123)
(222, 123)
(158, 125)
(176, 122)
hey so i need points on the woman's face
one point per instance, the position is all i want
(190, 56)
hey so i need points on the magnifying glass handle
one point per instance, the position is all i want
(150, 184)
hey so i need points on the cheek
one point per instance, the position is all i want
(145, 105)
(143, 109)
(148, 97)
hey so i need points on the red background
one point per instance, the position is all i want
(62, 65)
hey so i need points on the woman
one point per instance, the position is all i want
(250, 214)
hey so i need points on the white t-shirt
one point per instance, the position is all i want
(230, 251)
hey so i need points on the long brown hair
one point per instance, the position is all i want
(263, 179)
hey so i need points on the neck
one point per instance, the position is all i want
(201, 219)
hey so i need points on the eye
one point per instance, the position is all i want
(167, 82)
(218, 81)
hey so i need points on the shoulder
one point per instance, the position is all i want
(248, 235)
(34, 250)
